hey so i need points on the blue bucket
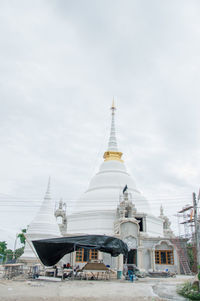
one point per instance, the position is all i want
(119, 274)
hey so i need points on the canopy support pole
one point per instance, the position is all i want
(74, 262)
(30, 244)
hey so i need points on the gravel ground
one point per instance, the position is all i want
(115, 290)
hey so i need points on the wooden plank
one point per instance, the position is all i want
(45, 278)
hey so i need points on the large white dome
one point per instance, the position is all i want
(106, 188)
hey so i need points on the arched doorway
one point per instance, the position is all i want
(132, 250)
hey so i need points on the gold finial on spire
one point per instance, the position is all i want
(112, 153)
(113, 105)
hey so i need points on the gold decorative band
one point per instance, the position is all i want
(109, 155)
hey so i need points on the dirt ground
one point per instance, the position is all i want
(82, 290)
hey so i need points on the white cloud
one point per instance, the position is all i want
(61, 63)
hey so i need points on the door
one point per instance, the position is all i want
(132, 257)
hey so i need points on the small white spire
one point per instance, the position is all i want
(60, 203)
(112, 144)
(161, 211)
(48, 192)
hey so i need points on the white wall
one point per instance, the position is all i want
(154, 226)
(92, 222)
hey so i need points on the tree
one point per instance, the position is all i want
(22, 237)
(19, 252)
(3, 247)
(8, 255)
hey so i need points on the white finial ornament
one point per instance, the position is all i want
(112, 144)
(60, 203)
(161, 210)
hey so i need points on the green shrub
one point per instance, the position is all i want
(189, 291)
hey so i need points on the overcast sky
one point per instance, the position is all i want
(61, 63)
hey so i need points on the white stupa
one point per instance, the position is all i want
(95, 211)
(43, 226)
(114, 206)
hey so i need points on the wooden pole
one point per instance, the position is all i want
(196, 225)
(30, 244)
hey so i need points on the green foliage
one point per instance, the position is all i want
(199, 272)
(189, 291)
(22, 237)
(19, 252)
(3, 247)
(190, 255)
(9, 254)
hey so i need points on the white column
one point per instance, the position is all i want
(120, 262)
(140, 257)
(153, 266)
(73, 258)
(100, 255)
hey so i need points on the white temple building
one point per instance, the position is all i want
(112, 205)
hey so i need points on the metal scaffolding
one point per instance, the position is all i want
(186, 214)
(186, 219)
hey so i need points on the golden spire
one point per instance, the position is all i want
(112, 152)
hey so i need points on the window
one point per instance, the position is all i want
(93, 254)
(140, 220)
(79, 255)
(164, 257)
(84, 255)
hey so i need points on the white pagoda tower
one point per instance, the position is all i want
(114, 206)
(43, 226)
(95, 211)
